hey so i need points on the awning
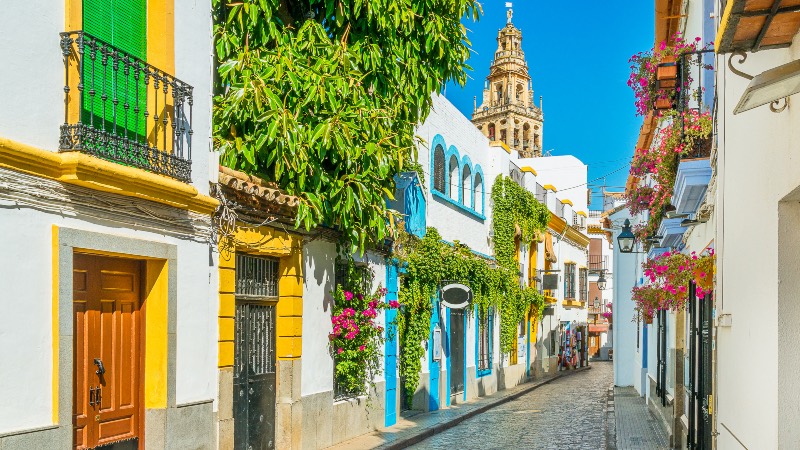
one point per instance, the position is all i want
(598, 328)
(752, 25)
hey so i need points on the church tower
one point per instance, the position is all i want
(508, 113)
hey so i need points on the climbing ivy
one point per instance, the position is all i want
(517, 217)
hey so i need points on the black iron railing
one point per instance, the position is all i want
(126, 110)
(598, 262)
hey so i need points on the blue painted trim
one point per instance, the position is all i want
(437, 140)
(644, 345)
(435, 370)
(465, 357)
(482, 255)
(446, 335)
(467, 163)
(451, 152)
(477, 170)
(445, 198)
(478, 372)
(391, 348)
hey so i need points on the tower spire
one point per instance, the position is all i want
(508, 112)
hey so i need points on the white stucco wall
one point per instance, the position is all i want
(33, 93)
(319, 258)
(748, 395)
(26, 326)
(626, 270)
(567, 173)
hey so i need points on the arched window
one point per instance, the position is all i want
(491, 132)
(466, 183)
(478, 203)
(438, 169)
(452, 170)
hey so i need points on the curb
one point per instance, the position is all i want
(611, 421)
(436, 429)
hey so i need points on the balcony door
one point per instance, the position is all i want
(107, 365)
(115, 92)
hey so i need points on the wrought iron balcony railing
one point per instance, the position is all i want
(125, 110)
(598, 263)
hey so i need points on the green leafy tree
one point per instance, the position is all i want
(322, 96)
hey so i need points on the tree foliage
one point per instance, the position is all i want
(322, 96)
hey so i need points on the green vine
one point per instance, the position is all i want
(514, 207)
(429, 261)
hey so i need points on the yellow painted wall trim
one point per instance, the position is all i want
(549, 299)
(530, 169)
(156, 311)
(500, 144)
(55, 348)
(582, 213)
(572, 303)
(723, 25)
(558, 225)
(567, 201)
(95, 173)
(550, 187)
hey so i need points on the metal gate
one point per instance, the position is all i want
(661, 347)
(700, 368)
(457, 348)
(254, 358)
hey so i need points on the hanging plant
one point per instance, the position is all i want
(669, 277)
(687, 134)
(654, 74)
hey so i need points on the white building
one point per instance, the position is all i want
(105, 222)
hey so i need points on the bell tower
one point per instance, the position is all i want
(507, 112)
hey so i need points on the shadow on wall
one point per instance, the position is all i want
(323, 267)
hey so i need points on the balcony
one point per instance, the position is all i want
(692, 178)
(598, 263)
(122, 109)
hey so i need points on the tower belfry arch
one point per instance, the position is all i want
(507, 112)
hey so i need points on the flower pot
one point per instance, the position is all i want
(662, 103)
(704, 279)
(648, 320)
(667, 75)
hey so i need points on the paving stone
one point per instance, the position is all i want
(636, 428)
(569, 413)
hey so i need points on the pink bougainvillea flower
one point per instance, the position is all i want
(361, 348)
(340, 351)
(348, 295)
(394, 304)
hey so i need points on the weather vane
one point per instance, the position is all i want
(510, 11)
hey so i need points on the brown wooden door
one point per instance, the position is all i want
(106, 305)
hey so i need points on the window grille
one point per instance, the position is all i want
(583, 275)
(569, 281)
(256, 276)
(478, 202)
(438, 169)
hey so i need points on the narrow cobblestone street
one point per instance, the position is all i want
(551, 417)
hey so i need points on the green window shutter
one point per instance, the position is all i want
(123, 24)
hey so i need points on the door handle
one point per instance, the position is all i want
(91, 396)
(98, 394)
(100, 369)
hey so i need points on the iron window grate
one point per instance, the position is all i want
(256, 276)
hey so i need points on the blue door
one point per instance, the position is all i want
(435, 366)
(391, 347)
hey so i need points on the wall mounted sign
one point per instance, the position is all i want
(550, 281)
(549, 311)
(455, 295)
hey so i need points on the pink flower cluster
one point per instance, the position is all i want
(353, 320)
(669, 276)
(644, 66)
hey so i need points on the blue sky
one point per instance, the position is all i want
(577, 57)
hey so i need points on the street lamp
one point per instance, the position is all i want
(601, 282)
(626, 239)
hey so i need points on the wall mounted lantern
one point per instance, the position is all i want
(626, 239)
(770, 87)
(601, 282)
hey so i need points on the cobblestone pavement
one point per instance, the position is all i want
(635, 426)
(565, 414)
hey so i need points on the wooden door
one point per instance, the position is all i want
(107, 350)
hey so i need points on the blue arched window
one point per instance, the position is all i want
(438, 169)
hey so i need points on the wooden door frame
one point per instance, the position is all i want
(160, 292)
